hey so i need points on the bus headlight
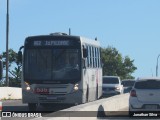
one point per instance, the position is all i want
(27, 86)
(117, 88)
(76, 87)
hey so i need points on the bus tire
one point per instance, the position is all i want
(32, 106)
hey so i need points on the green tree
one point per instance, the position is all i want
(115, 65)
(14, 68)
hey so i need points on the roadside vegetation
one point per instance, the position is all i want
(114, 64)
(14, 69)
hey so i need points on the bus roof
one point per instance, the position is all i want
(90, 41)
(82, 39)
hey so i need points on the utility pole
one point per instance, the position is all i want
(7, 39)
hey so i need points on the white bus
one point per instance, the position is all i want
(60, 68)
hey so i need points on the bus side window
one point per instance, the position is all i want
(88, 57)
(91, 65)
(100, 60)
(85, 55)
(93, 57)
(85, 52)
(98, 57)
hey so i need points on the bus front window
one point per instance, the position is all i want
(66, 59)
(52, 64)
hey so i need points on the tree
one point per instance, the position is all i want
(14, 68)
(115, 65)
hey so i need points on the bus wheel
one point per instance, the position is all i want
(32, 106)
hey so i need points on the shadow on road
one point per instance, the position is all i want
(101, 112)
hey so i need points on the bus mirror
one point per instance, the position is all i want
(1, 69)
(85, 53)
(19, 56)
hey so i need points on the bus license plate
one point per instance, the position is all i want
(52, 98)
(150, 106)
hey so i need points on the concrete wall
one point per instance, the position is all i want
(92, 110)
(10, 93)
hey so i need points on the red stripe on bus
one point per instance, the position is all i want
(0, 108)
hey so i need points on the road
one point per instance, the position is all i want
(18, 106)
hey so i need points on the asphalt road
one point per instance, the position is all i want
(18, 106)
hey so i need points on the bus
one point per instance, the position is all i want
(60, 68)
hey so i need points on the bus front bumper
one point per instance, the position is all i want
(71, 98)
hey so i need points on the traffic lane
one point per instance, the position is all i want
(14, 105)
(17, 105)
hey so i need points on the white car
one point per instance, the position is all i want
(128, 84)
(145, 95)
(112, 85)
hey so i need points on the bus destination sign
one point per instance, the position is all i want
(51, 43)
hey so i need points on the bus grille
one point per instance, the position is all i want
(44, 99)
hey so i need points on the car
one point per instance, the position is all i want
(128, 84)
(145, 95)
(111, 86)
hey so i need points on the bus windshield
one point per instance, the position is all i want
(52, 64)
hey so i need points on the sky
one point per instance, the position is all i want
(131, 26)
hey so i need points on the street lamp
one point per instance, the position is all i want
(157, 66)
(7, 37)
